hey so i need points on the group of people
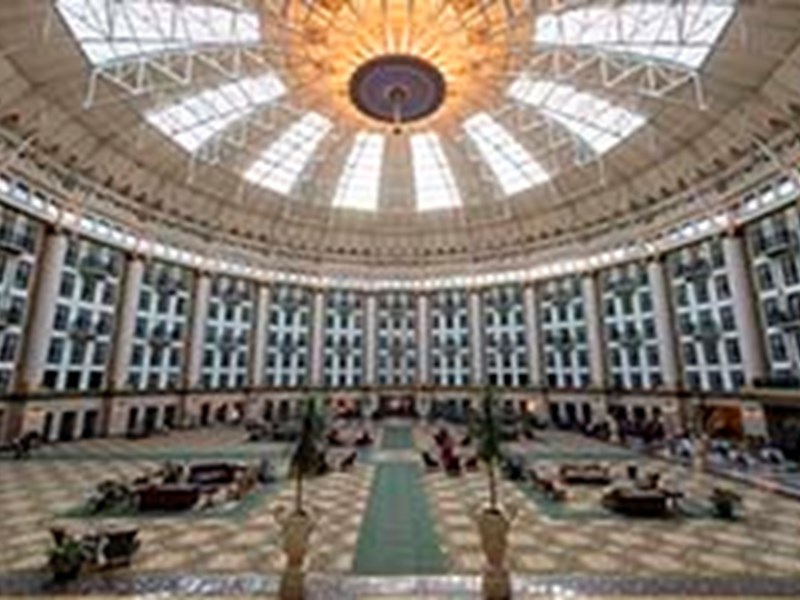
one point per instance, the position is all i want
(22, 446)
(450, 460)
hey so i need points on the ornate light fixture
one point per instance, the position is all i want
(397, 62)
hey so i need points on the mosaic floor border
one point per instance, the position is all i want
(324, 587)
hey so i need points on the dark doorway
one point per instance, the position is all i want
(169, 416)
(66, 427)
(133, 419)
(150, 419)
(89, 429)
(205, 415)
(47, 428)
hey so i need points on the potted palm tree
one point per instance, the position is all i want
(493, 524)
(298, 525)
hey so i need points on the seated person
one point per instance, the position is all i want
(514, 469)
(23, 445)
(266, 472)
(772, 455)
(334, 438)
(452, 465)
(365, 439)
(348, 461)
(430, 462)
(441, 437)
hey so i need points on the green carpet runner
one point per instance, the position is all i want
(397, 437)
(397, 536)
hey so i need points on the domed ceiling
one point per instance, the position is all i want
(356, 122)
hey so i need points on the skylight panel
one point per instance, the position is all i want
(511, 164)
(359, 183)
(280, 165)
(110, 30)
(434, 184)
(196, 119)
(680, 32)
(594, 120)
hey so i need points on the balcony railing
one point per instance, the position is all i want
(83, 329)
(779, 243)
(13, 243)
(96, 266)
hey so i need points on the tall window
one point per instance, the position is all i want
(162, 327)
(397, 348)
(226, 344)
(705, 319)
(630, 330)
(450, 345)
(80, 342)
(343, 350)
(506, 348)
(288, 337)
(565, 348)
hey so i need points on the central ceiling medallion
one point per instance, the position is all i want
(397, 62)
(397, 88)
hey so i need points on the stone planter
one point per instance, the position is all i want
(297, 530)
(493, 527)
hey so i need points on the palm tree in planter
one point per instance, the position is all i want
(493, 524)
(298, 525)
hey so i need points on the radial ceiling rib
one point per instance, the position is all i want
(280, 165)
(594, 120)
(111, 31)
(193, 121)
(434, 184)
(683, 33)
(359, 183)
(512, 165)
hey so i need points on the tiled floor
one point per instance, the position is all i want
(578, 539)
(37, 494)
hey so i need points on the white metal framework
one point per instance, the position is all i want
(579, 53)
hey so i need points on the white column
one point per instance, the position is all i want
(594, 331)
(126, 322)
(370, 340)
(423, 339)
(318, 338)
(476, 337)
(197, 334)
(258, 337)
(665, 333)
(36, 342)
(530, 306)
(751, 343)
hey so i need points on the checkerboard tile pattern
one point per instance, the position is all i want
(765, 543)
(35, 494)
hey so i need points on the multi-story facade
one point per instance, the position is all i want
(450, 338)
(775, 252)
(288, 348)
(706, 322)
(396, 339)
(18, 240)
(161, 332)
(226, 346)
(343, 347)
(402, 341)
(505, 343)
(629, 328)
(80, 342)
(564, 333)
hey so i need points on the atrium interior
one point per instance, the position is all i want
(400, 299)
